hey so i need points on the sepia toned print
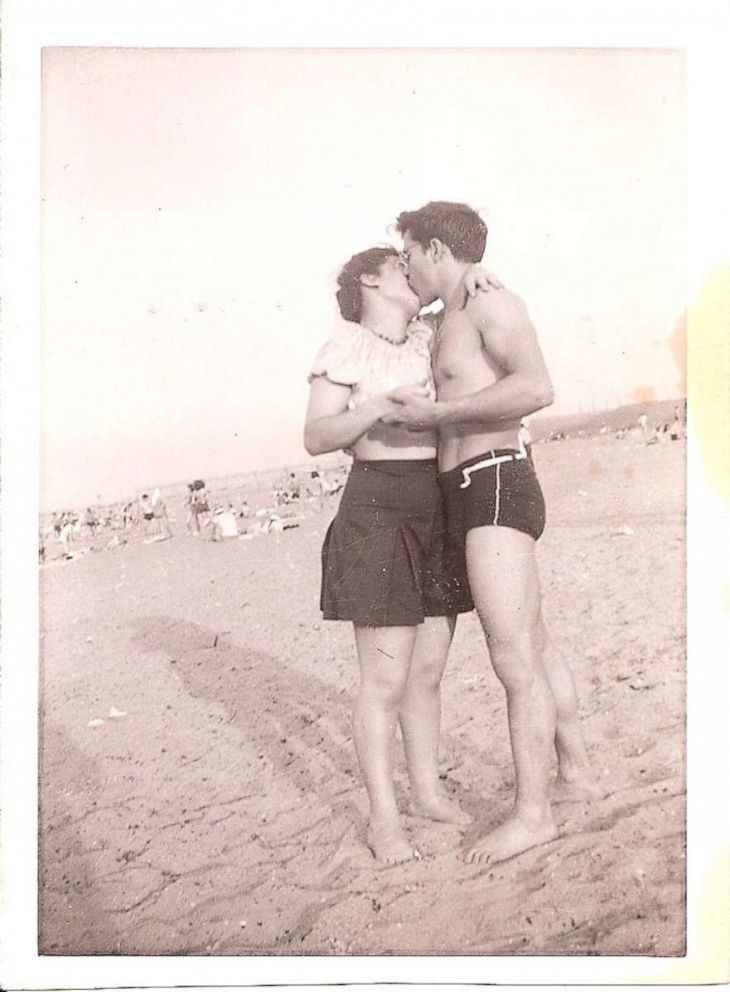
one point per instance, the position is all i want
(200, 791)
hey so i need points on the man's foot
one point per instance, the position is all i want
(389, 844)
(582, 788)
(510, 839)
(440, 808)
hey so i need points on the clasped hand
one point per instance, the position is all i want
(411, 407)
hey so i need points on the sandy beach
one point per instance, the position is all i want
(214, 805)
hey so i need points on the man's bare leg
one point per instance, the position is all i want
(505, 587)
(384, 654)
(420, 720)
(576, 780)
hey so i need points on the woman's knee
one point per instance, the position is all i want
(386, 689)
(425, 676)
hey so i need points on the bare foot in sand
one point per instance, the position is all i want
(510, 839)
(389, 844)
(440, 808)
(582, 788)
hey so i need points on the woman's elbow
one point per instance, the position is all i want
(311, 444)
(314, 443)
(546, 395)
(542, 394)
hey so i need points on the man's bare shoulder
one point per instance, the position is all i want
(499, 307)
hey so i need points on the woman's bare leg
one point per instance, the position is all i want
(420, 719)
(384, 654)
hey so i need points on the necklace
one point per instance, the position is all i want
(384, 337)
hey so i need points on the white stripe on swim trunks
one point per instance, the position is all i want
(496, 460)
(496, 500)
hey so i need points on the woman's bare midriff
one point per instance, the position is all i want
(386, 441)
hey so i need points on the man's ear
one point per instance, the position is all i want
(437, 249)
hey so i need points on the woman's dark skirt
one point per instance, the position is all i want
(386, 561)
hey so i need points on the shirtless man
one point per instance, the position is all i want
(489, 374)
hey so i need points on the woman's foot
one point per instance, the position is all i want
(388, 843)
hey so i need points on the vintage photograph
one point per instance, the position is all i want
(362, 523)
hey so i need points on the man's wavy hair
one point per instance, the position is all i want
(456, 225)
(349, 292)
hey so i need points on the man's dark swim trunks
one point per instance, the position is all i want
(499, 489)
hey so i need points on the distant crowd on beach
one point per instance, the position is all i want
(207, 514)
(650, 431)
(216, 516)
(662, 431)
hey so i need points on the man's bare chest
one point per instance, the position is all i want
(459, 352)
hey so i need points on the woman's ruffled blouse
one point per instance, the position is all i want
(354, 356)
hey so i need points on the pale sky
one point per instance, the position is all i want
(198, 204)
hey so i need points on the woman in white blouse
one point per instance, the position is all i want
(386, 564)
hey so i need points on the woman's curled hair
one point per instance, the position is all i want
(349, 292)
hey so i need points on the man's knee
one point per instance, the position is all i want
(542, 638)
(516, 658)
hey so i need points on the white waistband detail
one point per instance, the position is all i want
(496, 500)
(496, 460)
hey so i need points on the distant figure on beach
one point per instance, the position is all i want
(145, 509)
(192, 524)
(656, 435)
(384, 560)
(643, 421)
(319, 490)
(66, 533)
(196, 504)
(128, 516)
(334, 483)
(223, 523)
(294, 487)
(489, 373)
(162, 521)
(525, 438)
(675, 431)
(154, 515)
(90, 521)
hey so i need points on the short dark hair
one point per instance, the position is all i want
(456, 225)
(349, 292)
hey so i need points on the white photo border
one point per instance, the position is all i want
(30, 25)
